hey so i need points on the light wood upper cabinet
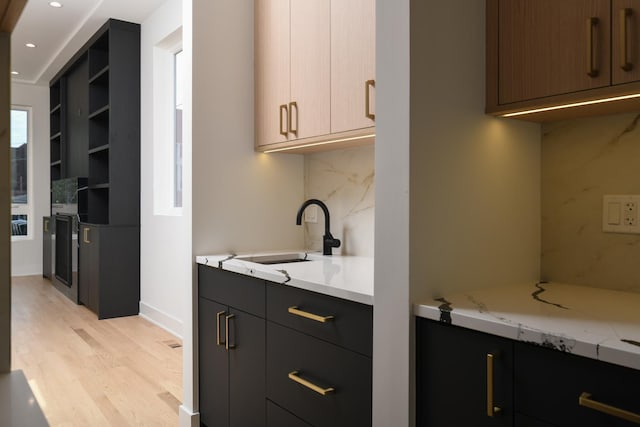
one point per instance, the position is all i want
(272, 70)
(310, 68)
(544, 55)
(352, 64)
(544, 47)
(625, 41)
(312, 61)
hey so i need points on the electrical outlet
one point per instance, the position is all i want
(620, 214)
(630, 213)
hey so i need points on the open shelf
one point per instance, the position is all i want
(99, 91)
(56, 163)
(102, 110)
(98, 206)
(98, 149)
(57, 135)
(99, 55)
(99, 130)
(101, 77)
(55, 109)
(99, 168)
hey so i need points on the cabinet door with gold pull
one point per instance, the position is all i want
(352, 64)
(550, 47)
(464, 377)
(567, 390)
(625, 41)
(272, 71)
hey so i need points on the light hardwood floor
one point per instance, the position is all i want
(90, 372)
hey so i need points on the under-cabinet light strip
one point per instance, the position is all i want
(575, 104)
(333, 141)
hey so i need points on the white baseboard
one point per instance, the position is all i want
(161, 319)
(188, 418)
(26, 270)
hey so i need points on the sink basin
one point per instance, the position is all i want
(277, 258)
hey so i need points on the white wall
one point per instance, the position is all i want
(164, 274)
(242, 200)
(26, 257)
(457, 192)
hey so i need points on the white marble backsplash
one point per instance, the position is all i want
(582, 160)
(344, 180)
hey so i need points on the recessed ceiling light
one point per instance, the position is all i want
(30, 45)
(55, 4)
(15, 73)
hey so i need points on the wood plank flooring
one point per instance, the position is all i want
(90, 372)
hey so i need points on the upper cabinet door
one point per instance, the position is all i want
(551, 47)
(625, 41)
(272, 70)
(310, 68)
(352, 64)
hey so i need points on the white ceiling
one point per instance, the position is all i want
(58, 33)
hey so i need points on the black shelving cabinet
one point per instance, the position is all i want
(95, 132)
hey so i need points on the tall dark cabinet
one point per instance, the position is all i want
(95, 132)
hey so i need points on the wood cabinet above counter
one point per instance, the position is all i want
(314, 74)
(545, 54)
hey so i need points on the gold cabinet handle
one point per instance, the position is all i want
(367, 99)
(226, 327)
(46, 225)
(322, 319)
(218, 340)
(624, 60)
(86, 235)
(294, 376)
(586, 401)
(293, 130)
(283, 131)
(592, 70)
(492, 410)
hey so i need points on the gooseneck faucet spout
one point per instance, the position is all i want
(328, 241)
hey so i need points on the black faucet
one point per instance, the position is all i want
(328, 241)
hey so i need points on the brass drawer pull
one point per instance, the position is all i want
(86, 235)
(367, 99)
(286, 115)
(226, 326)
(46, 225)
(295, 310)
(624, 60)
(592, 70)
(586, 401)
(293, 130)
(323, 391)
(491, 409)
(218, 340)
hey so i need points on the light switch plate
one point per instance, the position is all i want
(311, 214)
(620, 214)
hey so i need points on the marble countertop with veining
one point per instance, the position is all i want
(347, 277)
(596, 323)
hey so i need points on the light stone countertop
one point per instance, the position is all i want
(596, 323)
(346, 277)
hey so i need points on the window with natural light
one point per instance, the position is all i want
(19, 172)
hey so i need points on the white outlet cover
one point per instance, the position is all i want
(620, 214)
(311, 214)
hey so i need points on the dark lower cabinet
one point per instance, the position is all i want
(549, 384)
(231, 353)
(109, 269)
(273, 355)
(534, 386)
(455, 384)
(278, 417)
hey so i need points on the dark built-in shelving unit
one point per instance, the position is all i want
(95, 132)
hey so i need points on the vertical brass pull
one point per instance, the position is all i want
(226, 326)
(218, 340)
(624, 59)
(367, 99)
(491, 409)
(86, 235)
(293, 130)
(286, 114)
(586, 401)
(46, 225)
(592, 70)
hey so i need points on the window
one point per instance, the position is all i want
(177, 146)
(19, 171)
